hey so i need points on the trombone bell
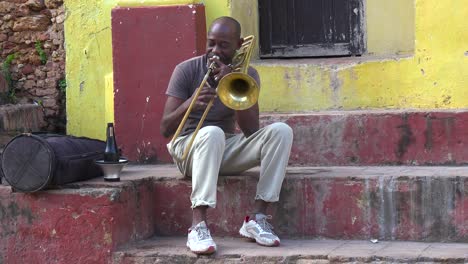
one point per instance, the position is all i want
(238, 91)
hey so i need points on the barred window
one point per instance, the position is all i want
(311, 28)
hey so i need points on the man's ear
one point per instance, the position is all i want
(240, 42)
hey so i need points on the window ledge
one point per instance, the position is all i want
(328, 62)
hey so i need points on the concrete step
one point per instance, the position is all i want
(390, 203)
(85, 222)
(237, 250)
(390, 137)
(79, 223)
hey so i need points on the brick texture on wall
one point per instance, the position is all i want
(32, 31)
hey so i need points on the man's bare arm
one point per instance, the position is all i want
(175, 108)
(248, 120)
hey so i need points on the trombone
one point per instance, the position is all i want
(236, 90)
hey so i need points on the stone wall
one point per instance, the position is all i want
(32, 32)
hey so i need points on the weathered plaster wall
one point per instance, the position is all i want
(430, 77)
(390, 26)
(246, 12)
(89, 59)
(213, 8)
(32, 32)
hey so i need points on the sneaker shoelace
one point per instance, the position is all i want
(266, 227)
(203, 233)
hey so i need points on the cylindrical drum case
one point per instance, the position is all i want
(32, 162)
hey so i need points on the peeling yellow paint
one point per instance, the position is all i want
(216, 8)
(390, 26)
(108, 238)
(109, 97)
(89, 59)
(431, 78)
(154, 2)
(433, 74)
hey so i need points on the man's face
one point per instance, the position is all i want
(222, 42)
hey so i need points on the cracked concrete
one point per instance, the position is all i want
(237, 250)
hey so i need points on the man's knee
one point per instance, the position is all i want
(211, 133)
(281, 129)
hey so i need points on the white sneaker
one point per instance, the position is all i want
(260, 230)
(199, 239)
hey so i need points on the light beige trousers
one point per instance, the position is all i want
(215, 153)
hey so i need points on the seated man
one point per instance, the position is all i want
(216, 148)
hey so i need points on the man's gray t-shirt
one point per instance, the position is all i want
(185, 79)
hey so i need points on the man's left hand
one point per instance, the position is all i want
(221, 70)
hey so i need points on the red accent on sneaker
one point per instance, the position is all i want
(247, 218)
(208, 251)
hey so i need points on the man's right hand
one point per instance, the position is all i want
(206, 94)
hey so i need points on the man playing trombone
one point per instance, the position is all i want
(215, 149)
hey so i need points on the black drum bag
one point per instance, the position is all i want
(32, 162)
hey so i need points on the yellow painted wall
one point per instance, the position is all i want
(246, 12)
(89, 61)
(390, 26)
(153, 2)
(89, 68)
(434, 75)
(216, 8)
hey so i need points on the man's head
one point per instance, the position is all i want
(224, 38)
